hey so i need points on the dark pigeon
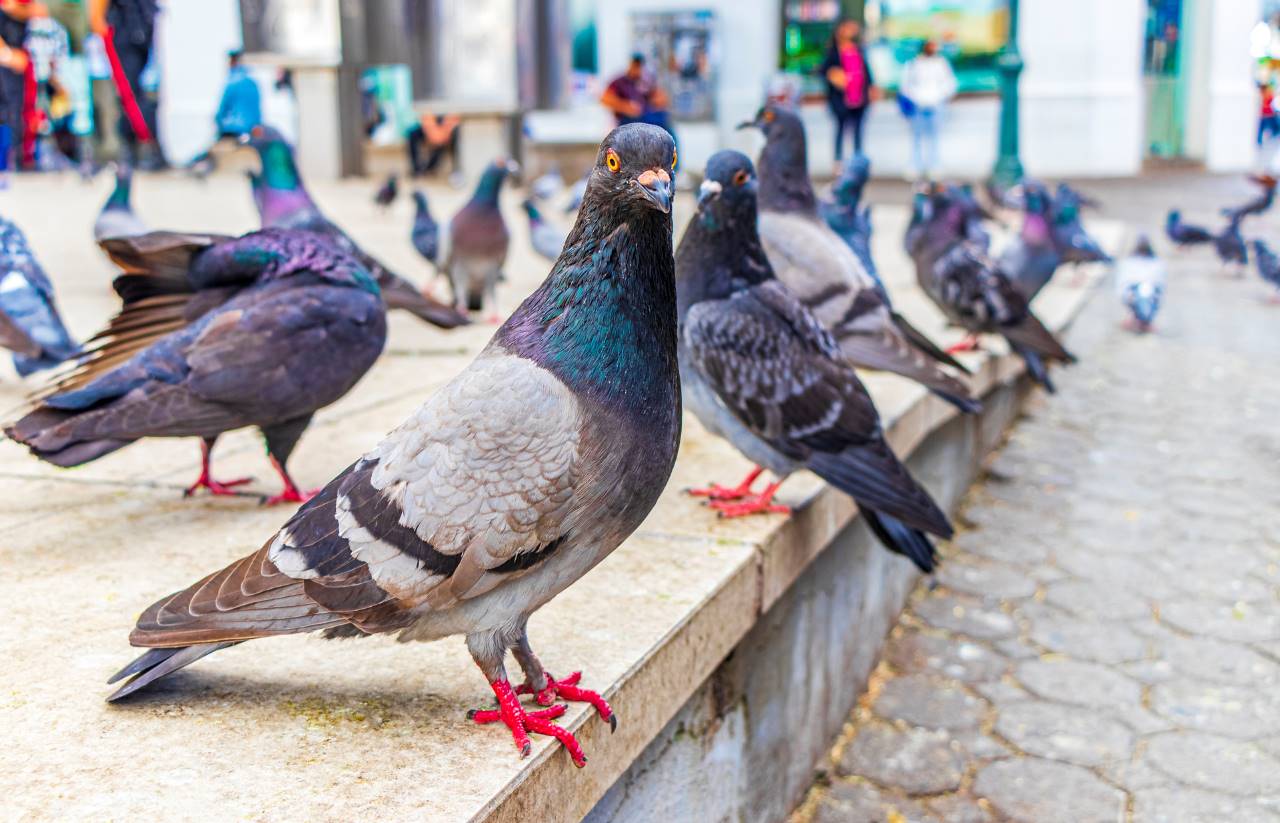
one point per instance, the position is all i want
(1259, 204)
(283, 203)
(1268, 265)
(848, 218)
(1140, 282)
(1073, 242)
(1185, 234)
(30, 325)
(760, 370)
(573, 411)
(1032, 257)
(216, 334)
(825, 274)
(426, 232)
(547, 239)
(117, 218)
(386, 193)
(970, 288)
(1230, 246)
(478, 243)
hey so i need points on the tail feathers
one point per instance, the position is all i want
(874, 477)
(924, 344)
(1035, 367)
(399, 293)
(36, 432)
(1031, 334)
(968, 405)
(157, 663)
(901, 539)
(26, 366)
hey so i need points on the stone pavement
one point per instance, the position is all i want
(1102, 641)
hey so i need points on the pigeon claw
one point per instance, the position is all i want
(970, 343)
(291, 494)
(761, 503)
(523, 723)
(717, 492)
(567, 689)
(216, 488)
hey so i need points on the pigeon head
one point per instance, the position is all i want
(633, 170)
(847, 189)
(490, 185)
(727, 198)
(119, 198)
(784, 165)
(531, 210)
(1174, 218)
(1142, 248)
(420, 200)
(279, 171)
(1035, 198)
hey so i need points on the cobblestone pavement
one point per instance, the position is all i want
(1102, 642)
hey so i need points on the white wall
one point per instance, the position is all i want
(193, 39)
(1230, 120)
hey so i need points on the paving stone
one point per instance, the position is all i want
(1083, 684)
(1181, 805)
(860, 802)
(1149, 671)
(1067, 733)
(1041, 791)
(967, 617)
(958, 808)
(988, 580)
(981, 746)
(1088, 641)
(1234, 711)
(1002, 546)
(917, 761)
(1215, 763)
(1120, 571)
(1242, 623)
(1096, 600)
(952, 657)
(1218, 661)
(1016, 649)
(1000, 692)
(923, 701)
(1140, 719)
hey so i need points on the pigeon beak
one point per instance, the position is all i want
(708, 191)
(513, 167)
(747, 124)
(657, 188)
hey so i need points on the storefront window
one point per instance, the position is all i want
(970, 33)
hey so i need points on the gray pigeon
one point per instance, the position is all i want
(1140, 283)
(1268, 264)
(117, 218)
(547, 239)
(283, 203)
(824, 273)
(478, 243)
(502, 489)
(1032, 256)
(426, 232)
(30, 325)
(215, 334)
(548, 185)
(1074, 243)
(758, 369)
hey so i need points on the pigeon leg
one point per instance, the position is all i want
(205, 481)
(970, 343)
(761, 503)
(291, 492)
(545, 688)
(281, 438)
(717, 492)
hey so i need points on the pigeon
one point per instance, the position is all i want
(846, 219)
(386, 193)
(426, 232)
(547, 186)
(970, 288)
(1032, 257)
(1185, 234)
(1073, 242)
(1140, 280)
(758, 369)
(575, 195)
(30, 325)
(117, 218)
(502, 489)
(216, 334)
(1258, 204)
(283, 202)
(1268, 266)
(478, 242)
(824, 273)
(1230, 246)
(547, 239)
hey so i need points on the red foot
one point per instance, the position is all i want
(970, 343)
(291, 493)
(759, 504)
(521, 723)
(717, 492)
(567, 689)
(495, 319)
(215, 488)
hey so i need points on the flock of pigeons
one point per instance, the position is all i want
(1228, 242)
(550, 448)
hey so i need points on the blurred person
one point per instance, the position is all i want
(635, 97)
(130, 25)
(49, 47)
(17, 81)
(430, 140)
(103, 102)
(239, 110)
(849, 84)
(927, 85)
(1268, 120)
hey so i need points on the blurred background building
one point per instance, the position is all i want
(1109, 87)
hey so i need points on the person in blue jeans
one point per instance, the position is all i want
(927, 84)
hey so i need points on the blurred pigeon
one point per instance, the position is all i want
(1032, 257)
(1185, 234)
(1140, 280)
(1230, 247)
(970, 288)
(117, 218)
(386, 193)
(1073, 242)
(847, 189)
(1268, 266)
(548, 240)
(478, 243)
(426, 232)
(283, 202)
(825, 274)
(760, 370)
(547, 186)
(30, 325)
(502, 489)
(846, 219)
(575, 195)
(216, 334)
(1258, 204)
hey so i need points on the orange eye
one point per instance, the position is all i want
(612, 162)
(768, 115)
(740, 177)
(674, 157)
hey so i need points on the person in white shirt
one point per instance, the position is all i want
(928, 84)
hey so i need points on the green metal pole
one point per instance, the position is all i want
(1008, 170)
